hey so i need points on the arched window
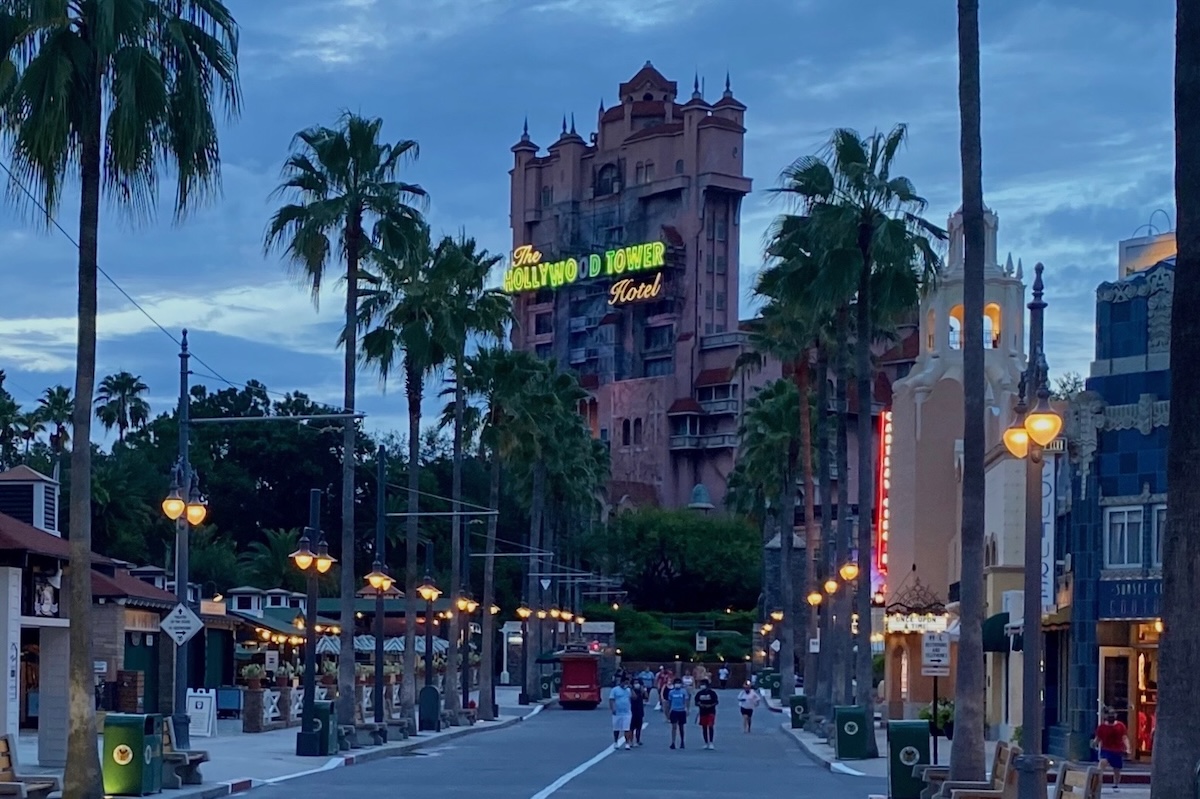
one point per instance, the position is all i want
(956, 327)
(607, 180)
(624, 432)
(637, 432)
(648, 97)
(991, 327)
(679, 167)
(931, 331)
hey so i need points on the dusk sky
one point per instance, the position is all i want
(1077, 132)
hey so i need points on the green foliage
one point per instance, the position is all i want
(643, 635)
(678, 560)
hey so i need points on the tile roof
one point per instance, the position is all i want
(648, 74)
(684, 405)
(23, 474)
(18, 536)
(721, 122)
(714, 377)
(122, 584)
(665, 129)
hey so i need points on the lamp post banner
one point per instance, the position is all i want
(1049, 517)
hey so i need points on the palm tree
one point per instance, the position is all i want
(864, 226)
(344, 199)
(499, 377)
(473, 311)
(268, 562)
(29, 426)
(966, 750)
(409, 312)
(770, 442)
(10, 423)
(119, 403)
(57, 408)
(1176, 745)
(110, 90)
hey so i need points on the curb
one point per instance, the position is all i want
(231, 787)
(813, 756)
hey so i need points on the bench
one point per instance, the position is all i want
(378, 732)
(1002, 776)
(179, 767)
(935, 776)
(14, 783)
(404, 728)
(471, 715)
(1077, 781)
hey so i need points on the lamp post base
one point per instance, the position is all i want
(308, 744)
(182, 723)
(523, 699)
(1031, 776)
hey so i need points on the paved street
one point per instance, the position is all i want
(568, 755)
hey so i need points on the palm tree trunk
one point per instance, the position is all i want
(536, 511)
(82, 777)
(863, 671)
(1177, 742)
(840, 601)
(823, 692)
(347, 705)
(414, 390)
(787, 587)
(966, 750)
(812, 532)
(487, 665)
(453, 664)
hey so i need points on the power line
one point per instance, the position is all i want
(214, 374)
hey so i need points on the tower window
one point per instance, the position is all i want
(991, 327)
(640, 173)
(721, 264)
(708, 263)
(720, 300)
(607, 180)
(679, 167)
(625, 433)
(649, 171)
(648, 97)
(637, 432)
(547, 196)
(720, 230)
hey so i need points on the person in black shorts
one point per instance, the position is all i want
(706, 701)
(638, 701)
(678, 702)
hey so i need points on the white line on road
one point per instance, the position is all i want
(575, 772)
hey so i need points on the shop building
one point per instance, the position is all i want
(1112, 577)
(625, 270)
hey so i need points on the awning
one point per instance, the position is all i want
(995, 638)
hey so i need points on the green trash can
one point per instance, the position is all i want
(547, 687)
(776, 686)
(850, 740)
(132, 764)
(326, 726)
(799, 710)
(908, 747)
(557, 684)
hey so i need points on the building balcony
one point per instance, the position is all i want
(717, 341)
(533, 215)
(725, 407)
(719, 441)
(666, 185)
(578, 355)
(578, 324)
(684, 442)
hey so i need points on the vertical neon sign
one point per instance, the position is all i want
(882, 490)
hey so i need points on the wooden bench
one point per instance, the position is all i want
(179, 767)
(14, 783)
(935, 776)
(1002, 778)
(1078, 781)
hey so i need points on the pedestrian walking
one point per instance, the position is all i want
(620, 702)
(706, 702)
(679, 702)
(748, 700)
(661, 684)
(1112, 739)
(723, 676)
(638, 703)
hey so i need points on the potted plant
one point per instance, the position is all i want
(364, 672)
(390, 672)
(284, 674)
(329, 672)
(941, 722)
(253, 673)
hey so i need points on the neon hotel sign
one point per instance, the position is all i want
(626, 266)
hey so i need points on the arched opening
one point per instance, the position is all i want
(648, 97)
(606, 180)
(956, 327)
(637, 432)
(930, 330)
(991, 326)
(624, 432)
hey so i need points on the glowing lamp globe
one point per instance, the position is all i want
(849, 571)
(831, 586)
(524, 612)
(303, 557)
(324, 560)
(814, 598)
(173, 506)
(1016, 440)
(196, 511)
(1042, 423)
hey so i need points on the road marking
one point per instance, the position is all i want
(575, 772)
(840, 769)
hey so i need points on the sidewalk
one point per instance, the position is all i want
(1134, 784)
(240, 761)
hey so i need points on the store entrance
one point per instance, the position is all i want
(1129, 687)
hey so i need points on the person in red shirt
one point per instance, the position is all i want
(1113, 742)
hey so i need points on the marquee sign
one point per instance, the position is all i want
(530, 271)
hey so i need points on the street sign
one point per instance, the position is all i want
(545, 583)
(181, 624)
(701, 642)
(776, 645)
(935, 655)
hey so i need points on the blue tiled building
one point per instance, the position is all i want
(1117, 430)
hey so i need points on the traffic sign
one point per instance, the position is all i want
(701, 642)
(181, 624)
(545, 583)
(935, 655)
(776, 645)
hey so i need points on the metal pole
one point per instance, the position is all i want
(182, 722)
(428, 644)
(1032, 765)
(380, 544)
(523, 697)
(464, 666)
(308, 717)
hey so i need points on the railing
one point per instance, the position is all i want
(578, 355)
(685, 442)
(720, 407)
(270, 706)
(715, 341)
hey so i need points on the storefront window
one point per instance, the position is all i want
(1123, 537)
(1160, 532)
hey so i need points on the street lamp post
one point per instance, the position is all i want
(1031, 431)
(378, 579)
(523, 613)
(466, 608)
(184, 506)
(312, 564)
(427, 718)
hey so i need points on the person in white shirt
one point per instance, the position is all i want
(748, 700)
(723, 677)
